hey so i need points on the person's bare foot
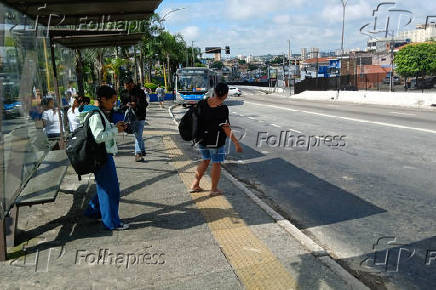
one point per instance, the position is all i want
(196, 189)
(216, 192)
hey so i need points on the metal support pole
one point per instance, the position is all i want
(141, 66)
(47, 71)
(3, 247)
(58, 95)
(136, 64)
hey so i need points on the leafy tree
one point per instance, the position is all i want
(252, 67)
(415, 60)
(218, 65)
(278, 60)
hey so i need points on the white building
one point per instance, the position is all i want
(420, 34)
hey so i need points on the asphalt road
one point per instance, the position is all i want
(364, 188)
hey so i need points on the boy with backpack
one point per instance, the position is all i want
(105, 203)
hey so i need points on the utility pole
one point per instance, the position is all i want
(391, 80)
(344, 5)
(169, 70)
(289, 71)
(192, 47)
(284, 74)
(317, 66)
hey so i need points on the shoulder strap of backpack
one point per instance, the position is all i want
(101, 117)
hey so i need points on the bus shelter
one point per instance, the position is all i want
(75, 25)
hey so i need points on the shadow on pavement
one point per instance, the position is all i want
(299, 193)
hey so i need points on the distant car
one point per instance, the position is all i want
(233, 91)
(427, 83)
(387, 80)
(12, 110)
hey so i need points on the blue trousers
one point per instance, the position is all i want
(106, 202)
(139, 141)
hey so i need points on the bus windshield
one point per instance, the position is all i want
(193, 81)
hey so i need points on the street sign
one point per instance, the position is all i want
(212, 50)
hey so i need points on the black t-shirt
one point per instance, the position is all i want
(211, 121)
(138, 96)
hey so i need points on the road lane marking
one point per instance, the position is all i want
(319, 114)
(405, 114)
(287, 109)
(356, 120)
(251, 118)
(296, 131)
(274, 125)
(253, 262)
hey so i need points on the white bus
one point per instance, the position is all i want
(194, 84)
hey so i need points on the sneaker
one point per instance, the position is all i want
(122, 227)
(138, 158)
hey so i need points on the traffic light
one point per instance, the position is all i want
(227, 49)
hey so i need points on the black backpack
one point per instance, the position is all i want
(189, 127)
(130, 119)
(85, 155)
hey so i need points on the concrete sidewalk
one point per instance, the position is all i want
(177, 240)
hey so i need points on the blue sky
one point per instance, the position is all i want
(264, 26)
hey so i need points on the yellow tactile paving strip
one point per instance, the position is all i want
(159, 133)
(254, 264)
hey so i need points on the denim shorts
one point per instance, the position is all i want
(216, 155)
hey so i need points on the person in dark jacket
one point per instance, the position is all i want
(137, 100)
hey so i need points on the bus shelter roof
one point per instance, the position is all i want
(94, 39)
(67, 12)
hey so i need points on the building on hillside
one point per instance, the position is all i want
(372, 76)
(420, 34)
(304, 53)
(353, 63)
(309, 67)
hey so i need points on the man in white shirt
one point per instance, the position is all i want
(50, 119)
(71, 89)
(73, 116)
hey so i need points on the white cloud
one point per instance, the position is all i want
(332, 12)
(264, 26)
(190, 32)
(281, 19)
(244, 9)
